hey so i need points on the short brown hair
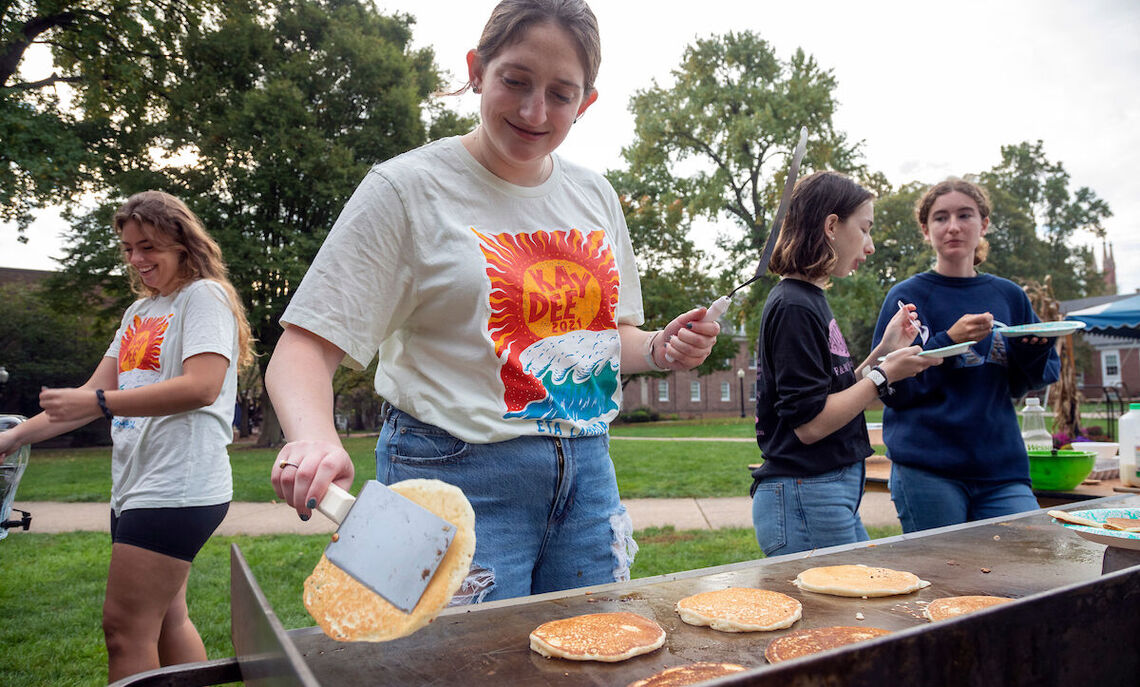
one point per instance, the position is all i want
(802, 246)
(973, 191)
(512, 18)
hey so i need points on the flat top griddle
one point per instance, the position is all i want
(1056, 575)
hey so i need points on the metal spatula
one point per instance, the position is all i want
(388, 543)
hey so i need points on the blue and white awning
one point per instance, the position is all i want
(1118, 318)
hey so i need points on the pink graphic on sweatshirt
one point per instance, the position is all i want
(835, 342)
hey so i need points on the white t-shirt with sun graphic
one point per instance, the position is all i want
(178, 460)
(494, 307)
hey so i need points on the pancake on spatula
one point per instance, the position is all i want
(608, 637)
(805, 642)
(688, 675)
(350, 612)
(740, 609)
(858, 580)
(951, 606)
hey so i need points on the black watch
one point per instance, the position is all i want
(879, 377)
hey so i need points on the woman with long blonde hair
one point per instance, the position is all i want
(167, 384)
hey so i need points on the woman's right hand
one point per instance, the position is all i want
(971, 327)
(318, 463)
(906, 363)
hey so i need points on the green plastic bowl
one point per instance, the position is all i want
(1059, 470)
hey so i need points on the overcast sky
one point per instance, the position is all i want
(932, 89)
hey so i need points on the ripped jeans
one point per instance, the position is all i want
(547, 512)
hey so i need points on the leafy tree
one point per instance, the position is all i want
(720, 139)
(41, 347)
(1036, 218)
(72, 130)
(900, 249)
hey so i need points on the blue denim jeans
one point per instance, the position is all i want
(547, 512)
(925, 500)
(793, 514)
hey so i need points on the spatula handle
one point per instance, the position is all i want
(714, 312)
(336, 503)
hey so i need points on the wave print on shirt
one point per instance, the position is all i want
(577, 385)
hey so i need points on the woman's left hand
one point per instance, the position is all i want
(688, 340)
(901, 330)
(63, 405)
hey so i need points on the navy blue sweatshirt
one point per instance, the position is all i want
(958, 419)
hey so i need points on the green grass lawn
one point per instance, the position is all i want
(645, 469)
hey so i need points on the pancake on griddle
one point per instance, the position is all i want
(951, 606)
(688, 675)
(350, 612)
(607, 637)
(858, 580)
(805, 642)
(740, 609)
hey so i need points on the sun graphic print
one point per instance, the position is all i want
(141, 343)
(553, 298)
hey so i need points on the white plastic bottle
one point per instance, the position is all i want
(1033, 431)
(1129, 435)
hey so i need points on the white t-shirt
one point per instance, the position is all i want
(494, 307)
(179, 460)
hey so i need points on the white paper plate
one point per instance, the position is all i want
(1043, 329)
(947, 351)
(1121, 540)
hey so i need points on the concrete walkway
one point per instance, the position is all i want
(50, 517)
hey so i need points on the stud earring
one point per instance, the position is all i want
(476, 89)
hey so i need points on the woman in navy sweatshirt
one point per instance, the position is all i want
(952, 434)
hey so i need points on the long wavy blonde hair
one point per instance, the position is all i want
(169, 224)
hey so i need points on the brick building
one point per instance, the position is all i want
(687, 394)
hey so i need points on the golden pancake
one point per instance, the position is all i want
(688, 675)
(858, 580)
(1123, 523)
(951, 606)
(740, 609)
(350, 612)
(608, 637)
(805, 642)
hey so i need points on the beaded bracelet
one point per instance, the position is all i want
(102, 400)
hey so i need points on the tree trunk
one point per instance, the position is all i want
(271, 434)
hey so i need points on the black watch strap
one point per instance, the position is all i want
(884, 386)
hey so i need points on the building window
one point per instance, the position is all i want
(752, 361)
(1111, 365)
(725, 392)
(694, 391)
(752, 392)
(662, 389)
